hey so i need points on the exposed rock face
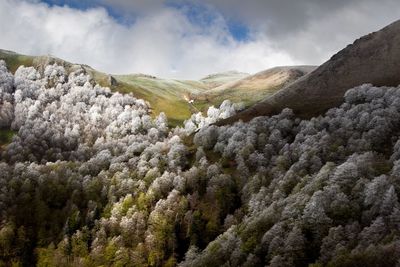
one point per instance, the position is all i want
(112, 81)
(374, 58)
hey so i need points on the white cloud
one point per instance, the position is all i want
(163, 43)
(311, 31)
(162, 40)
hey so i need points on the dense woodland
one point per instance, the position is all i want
(90, 178)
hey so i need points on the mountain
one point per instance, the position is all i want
(374, 58)
(178, 99)
(218, 79)
(164, 95)
(253, 88)
(91, 179)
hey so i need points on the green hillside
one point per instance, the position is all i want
(173, 96)
(15, 60)
(6, 136)
(168, 96)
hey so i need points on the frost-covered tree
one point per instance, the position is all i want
(92, 178)
(6, 96)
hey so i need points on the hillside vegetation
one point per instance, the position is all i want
(90, 178)
(6, 136)
(178, 99)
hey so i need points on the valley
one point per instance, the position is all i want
(173, 96)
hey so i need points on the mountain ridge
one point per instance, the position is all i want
(178, 99)
(373, 58)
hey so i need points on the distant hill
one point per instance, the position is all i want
(374, 58)
(163, 95)
(253, 88)
(177, 98)
(218, 79)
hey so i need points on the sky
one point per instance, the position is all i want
(189, 39)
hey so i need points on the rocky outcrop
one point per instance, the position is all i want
(374, 58)
(112, 81)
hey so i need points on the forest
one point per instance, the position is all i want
(91, 178)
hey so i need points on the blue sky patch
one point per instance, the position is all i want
(238, 30)
(84, 5)
(204, 16)
(78, 4)
(198, 14)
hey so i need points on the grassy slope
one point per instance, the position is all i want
(218, 79)
(6, 136)
(253, 88)
(14, 60)
(171, 96)
(164, 95)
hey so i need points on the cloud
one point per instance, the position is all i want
(185, 39)
(311, 31)
(165, 43)
(135, 7)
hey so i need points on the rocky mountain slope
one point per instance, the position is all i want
(374, 58)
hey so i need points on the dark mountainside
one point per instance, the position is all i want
(374, 58)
